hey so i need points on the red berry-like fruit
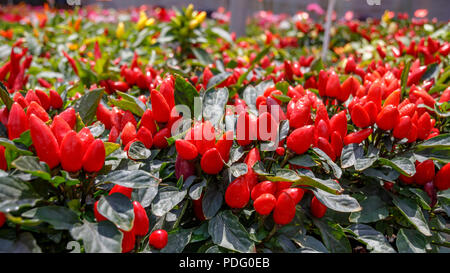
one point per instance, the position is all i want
(44, 142)
(160, 108)
(17, 121)
(284, 211)
(265, 203)
(158, 239)
(128, 241)
(186, 149)
(442, 178)
(262, 188)
(317, 208)
(71, 152)
(141, 222)
(301, 139)
(237, 194)
(211, 161)
(424, 172)
(94, 158)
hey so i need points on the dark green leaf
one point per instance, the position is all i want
(227, 232)
(166, 199)
(61, 218)
(101, 237)
(118, 209)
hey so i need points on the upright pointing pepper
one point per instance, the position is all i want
(44, 142)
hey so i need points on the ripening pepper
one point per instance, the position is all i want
(128, 133)
(94, 158)
(71, 152)
(211, 161)
(141, 222)
(17, 121)
(301, 139)
(317, 208)
(265, 203)
(388, 117)
(424, 172)
(357, 137)
(237, 194)
(262, 188)
(44, 142)
(442, 178)
(186, 149)
(128, 241)
(158, 239)
(284, 211)
(60, 128)
(35, 108)
(160, 108)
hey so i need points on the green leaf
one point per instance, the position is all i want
(373, 209)
(309, 244)
(15, 194)
(413, 213)
(375, 241)
(32, 165)
(238, 169)
(202, 56)
(220, 32)
(177, 241)
(4, 95)
(431, 72)
(254, 62)
(317, 65)
(129, 103)
(214, 103)
(324, 157)
(195, 191)
(110, 147)
(61, 218)
(137, 179)
(333, 236)
(440, 141)
(24, 243)
(101, 237)
(218, 79)
(435, 153)
(13, 147)
(184, 93)
(283, 86)
(227, 232)
(137, 151)
(401, 164)
(329, 185)
(86, 106)
(118, 209)
(349, 155)
(341, 203)
(166, 199)
(410, 241)
(404, 77)
(212, 200)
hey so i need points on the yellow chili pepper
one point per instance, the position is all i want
(120, 31)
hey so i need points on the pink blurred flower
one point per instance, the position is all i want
(316, 8)
(421, 13)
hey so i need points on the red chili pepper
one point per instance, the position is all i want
(237, 194)
(4, 70)
(94, 158)
(71, 152)
(357, 137)
(71, 62)
(44, 142)
(17, 121)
